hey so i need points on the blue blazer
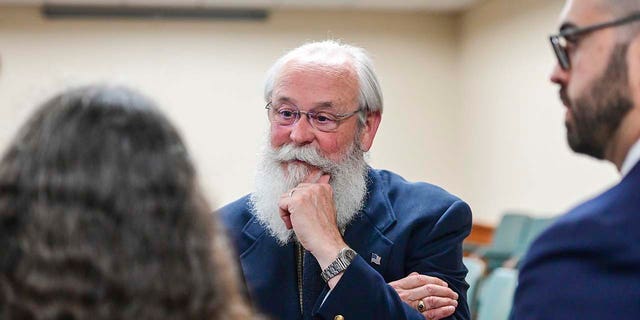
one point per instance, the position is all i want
(587, 264)
(404, 227)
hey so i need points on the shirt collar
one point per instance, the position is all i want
(631, 159)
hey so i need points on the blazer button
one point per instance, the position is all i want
(338, 317)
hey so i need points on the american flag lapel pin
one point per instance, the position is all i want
(375, 258)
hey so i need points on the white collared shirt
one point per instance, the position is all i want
(633, 156)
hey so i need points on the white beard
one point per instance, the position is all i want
(348, 180)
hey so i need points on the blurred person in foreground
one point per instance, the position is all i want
(325, 236)
(101, 217)
(587, 264)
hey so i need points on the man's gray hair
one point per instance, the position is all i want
(370, 97)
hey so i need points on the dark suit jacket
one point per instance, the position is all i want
(587, 264)
(403, 227)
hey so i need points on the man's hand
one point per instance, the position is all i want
(309, 209)
(439, 301)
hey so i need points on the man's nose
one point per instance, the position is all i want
(559, 75)
(302, 132)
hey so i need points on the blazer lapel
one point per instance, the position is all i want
(366, 233)
(270, 272)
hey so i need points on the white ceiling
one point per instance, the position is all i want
(426, 5)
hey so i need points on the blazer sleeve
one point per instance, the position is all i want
(436, 250)
(439, 253)
(362, 293)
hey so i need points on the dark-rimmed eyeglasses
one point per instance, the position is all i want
(286, 115)
(560, 40)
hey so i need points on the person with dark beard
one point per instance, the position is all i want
(587, 264)
(325, 236)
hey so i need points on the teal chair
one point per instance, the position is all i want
(536, 226)
(496, 294)
(506, 237)
(476, 269)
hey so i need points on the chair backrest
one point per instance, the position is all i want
(536, 226)
(496, 294)
(509, 232)
(476, 269)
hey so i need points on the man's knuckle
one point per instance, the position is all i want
(441, 312)
(431, 289)
(432, 302)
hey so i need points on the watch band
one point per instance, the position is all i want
(345, 256)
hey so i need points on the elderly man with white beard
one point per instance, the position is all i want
(325, 236)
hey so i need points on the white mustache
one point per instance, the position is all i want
(306, 154)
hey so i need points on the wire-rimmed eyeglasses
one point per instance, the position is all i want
(286, 115)
(560, 40)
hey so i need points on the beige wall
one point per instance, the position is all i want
(468, 104)
(200, 71)
(515, 152)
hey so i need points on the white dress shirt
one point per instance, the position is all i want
(631, 159)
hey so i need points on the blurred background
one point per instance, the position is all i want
(468, 104)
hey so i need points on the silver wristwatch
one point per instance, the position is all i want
(340, 264)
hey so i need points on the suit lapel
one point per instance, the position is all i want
(366, 233)
(270, 272)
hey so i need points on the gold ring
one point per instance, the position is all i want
(421, 306)
(291, 192)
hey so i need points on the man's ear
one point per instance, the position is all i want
(369, 130)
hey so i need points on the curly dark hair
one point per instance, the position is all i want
(101, 217)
